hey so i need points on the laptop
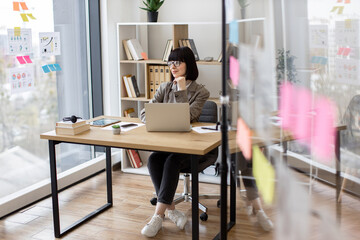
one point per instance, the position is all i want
(167, 117)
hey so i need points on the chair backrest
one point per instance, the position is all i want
(209, 112)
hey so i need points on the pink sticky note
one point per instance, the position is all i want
(21, 60)
(243, 138)
(234, 70)
(288, 108)
(324, 131)
(16, 6)
(27, 59)
(340, 51)
(346, 51)
(302, 125)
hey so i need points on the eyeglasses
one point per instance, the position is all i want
(175, 63)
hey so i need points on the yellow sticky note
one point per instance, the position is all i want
(341, 9)
(24, 17)
(17, 31)
(31, 16)
(348, 23)
(264, 174)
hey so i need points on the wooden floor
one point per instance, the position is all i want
(132, 210)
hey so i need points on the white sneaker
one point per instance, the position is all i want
(249, 210)
(264, 220)
(152, 227)
(178, 218)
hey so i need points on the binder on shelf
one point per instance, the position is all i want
(127, 87)
(151, 80)
(135, 85)
(135, 158)
(129, 156)
(193, 48)
(162, 73)
(167, 74)
(157, 77)
(132, 88)
(72, 131)
(127, 51)
(135, 48)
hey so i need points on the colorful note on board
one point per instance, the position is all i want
(288, 107)
(264, 174)
(16, 6)
(234, 32)
(23, 6)
(21, 60)
(302, 130)
(17, 31)
(243, 138)
(27, 59)
(46, 69)
(234, 71)
(24, 17)
(31, 16)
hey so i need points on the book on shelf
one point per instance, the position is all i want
(127, 51)
(69, 124)
(193, 48)
(151, 80)
(127, 86)
(136, 49)
(130, 112)
(168, 48)
(135, 85)
(129, 156)
(156, 77)
(162, 73)
(131, 85)
(72, 130)
(134, 158)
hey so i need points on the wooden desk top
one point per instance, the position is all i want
(138, 138)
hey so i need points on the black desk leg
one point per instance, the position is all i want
(195, 198)
(232, 196)
(54, 189)
(338, 176)
(108, 176)
(54, 192)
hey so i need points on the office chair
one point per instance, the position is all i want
(208, 114)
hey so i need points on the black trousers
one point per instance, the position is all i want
(164, 169)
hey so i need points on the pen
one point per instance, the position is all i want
(207, 128)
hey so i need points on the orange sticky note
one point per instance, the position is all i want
(31, 16)
(23, 6)
(144, 55)
(17, 31)
(243, 138)
(347, 1)
(24, 17)
(16, 6)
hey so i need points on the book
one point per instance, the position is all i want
(157, 77)
(69, 124)
(135, 48)
(130, 112)
(72, 131)
(103, 122)
(127, 86)
(129, 156)
(127, 51)
(193, 48)
(135, 158)
(168, 49)
(151, 81)
(135, 85)
(131, 86)
(162, 73)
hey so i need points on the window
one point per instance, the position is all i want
(59, 89)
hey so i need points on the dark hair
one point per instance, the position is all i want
(185, 54)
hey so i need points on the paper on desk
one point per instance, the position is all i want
(200, 130)
(123, 129)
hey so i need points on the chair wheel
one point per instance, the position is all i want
(218, 204)
(203, 217)
(153, 201)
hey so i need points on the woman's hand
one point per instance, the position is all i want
(181, 83)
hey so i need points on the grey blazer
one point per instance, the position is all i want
(196, 95)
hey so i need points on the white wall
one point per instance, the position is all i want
(208, 40)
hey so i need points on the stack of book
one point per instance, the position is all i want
(131, 86)
(134, 158)
(191, 44)
(69, 128)
(133, 50)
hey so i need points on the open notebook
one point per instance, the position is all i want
(167, 117)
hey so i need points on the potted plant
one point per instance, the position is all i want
(243, 5)
(116, 129)
(152, 7)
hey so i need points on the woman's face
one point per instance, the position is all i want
(179, 71)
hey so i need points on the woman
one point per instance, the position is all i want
(164, 168)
